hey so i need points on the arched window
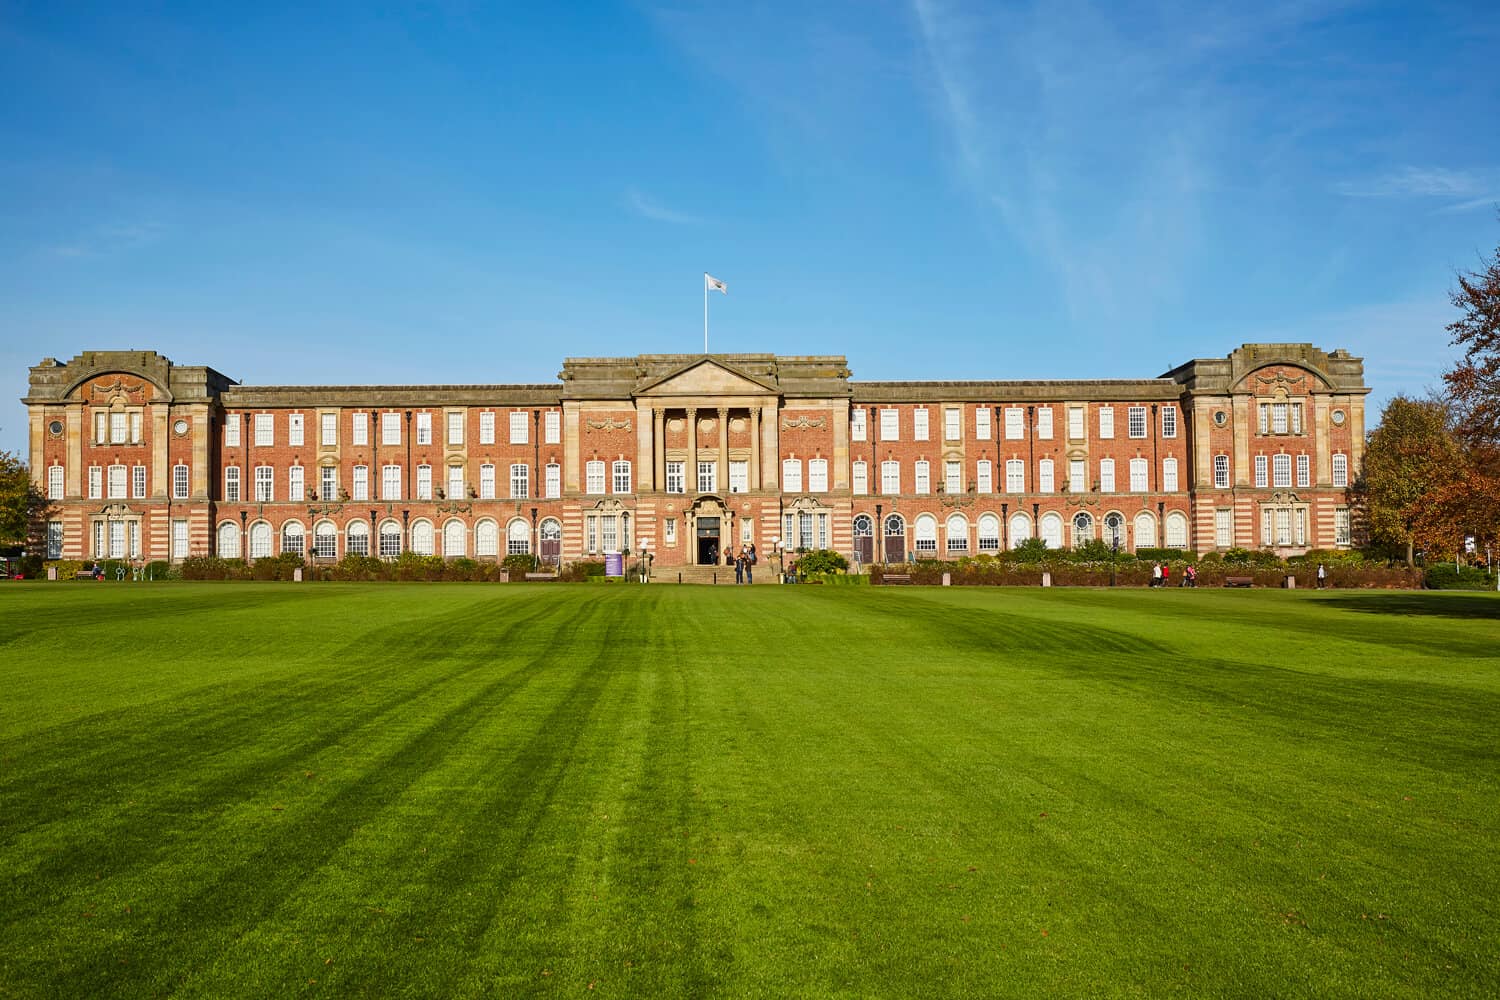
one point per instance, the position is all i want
(895, 526)
(989, 533)
(863, 526)
(486, 538)
(229, 540)
(517, 538)
(926, 533)
(325, 540)
(550, 547)
(1114, 530)
(291, 538)
(1052, 531)
(957, 534)
(1221, 472)
(455, 539)
(357, 539)
(1177, 530)
(390, 539)
(421, 537)
(1145, 531)
(1020, 529)
(1083, 528)
(260, 540)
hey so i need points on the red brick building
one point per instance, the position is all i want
(686, 454)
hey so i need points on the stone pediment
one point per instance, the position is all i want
(705, 377)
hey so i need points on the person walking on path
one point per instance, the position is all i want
(739, 567)
(750, 564)
(1322, 575)
(1166, 574)
(1156, 574)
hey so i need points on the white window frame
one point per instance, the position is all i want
(553, 476)
(265, 484)
(922, 477)
(390, 482)
(296, 429)
(455, 427)
(265, 430)
(817, 475)
(1106, 422)
(487, 427)
(424, 482)
(424, 433)
(456, 485)
(1044, 423)
(487, 481)
(953, 477)
(1106, 475)
(675, 481)
(984, 476)
(1140, 472)
(1137, 421)
(328, 429)
(180, 481)
(296, 491)
(919, 424)
(593, 477)
(1046, 476)
(359, 489)
(1076, 427)
(359, 429)
(551, 427)
(519, 432)
(520, 481)
(1015, 423)
(858, 425)
(890, 424)
(953, 424)
(1169, 481)
(1015, 475)
(1281, 471)
(1340, 470)
(231, 430)
(1169, 421)
(620, 476)
(791, 475)
(708, 476)
(1078, 475)
(859, 478)
(982, 428)
(1304, 471)
(1262, 472)
(390, 428)
(890, 478)
(56, 478)
(1221, 472)
(232, 484)
(739, 476)
(1224, 528)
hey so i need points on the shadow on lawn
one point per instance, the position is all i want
(1437, 605)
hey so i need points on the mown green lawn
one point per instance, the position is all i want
(485, 790)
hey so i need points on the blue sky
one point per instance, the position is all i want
(454, 192)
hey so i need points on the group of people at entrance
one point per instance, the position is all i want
(1161, 576)
(744, 563)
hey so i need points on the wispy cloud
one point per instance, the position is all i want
(648, 207)
(108, 240)
(1479, 188)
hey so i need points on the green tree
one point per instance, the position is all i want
(1412, 452)
(21, 503)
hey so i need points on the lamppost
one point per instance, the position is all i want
(645, 561)
(1114, 557)
(536, 547)
(879, 536)
(1004, 525)
(780, 569)
(244, 542)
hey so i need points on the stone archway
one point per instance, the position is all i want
(711, 527)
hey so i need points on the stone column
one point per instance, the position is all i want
(646, 447)
(723, 450)
(690, 467)
(771, 452)
(659, 439)
(754, 475)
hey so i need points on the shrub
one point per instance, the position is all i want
(161, 569)
(1167, 555)
(67, 569)
(519, 564)
(1033, 550)
(210, 568)
(1445, 576)
(821, 561)
(583, 569)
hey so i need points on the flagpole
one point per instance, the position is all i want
(705, 312)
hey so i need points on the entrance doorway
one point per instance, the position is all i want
(708, 541)
(895, 539)
(864, 539)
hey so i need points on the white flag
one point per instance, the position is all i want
(709, 281)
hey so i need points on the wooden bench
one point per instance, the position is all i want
(84, 574)
(540, 576)
(895, 578)
(1239, 581)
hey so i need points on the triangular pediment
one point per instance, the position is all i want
(706, 377)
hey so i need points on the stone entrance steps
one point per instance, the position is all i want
(710, 574)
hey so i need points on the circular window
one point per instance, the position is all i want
(180, 427)
(1221, 418)
(1338, 418)
(55, 428)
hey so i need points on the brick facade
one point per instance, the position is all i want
(684, 454)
